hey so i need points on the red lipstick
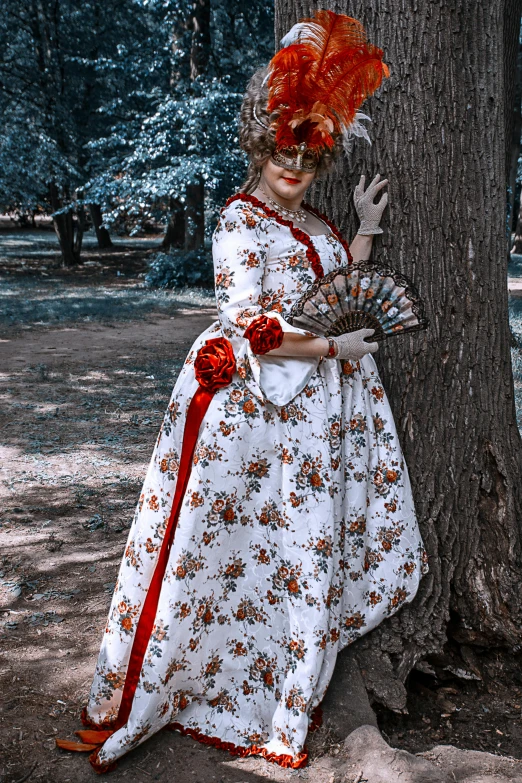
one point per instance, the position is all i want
(291, 180)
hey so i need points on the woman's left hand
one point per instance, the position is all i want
(369, 213)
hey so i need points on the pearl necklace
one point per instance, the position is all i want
(291, 214)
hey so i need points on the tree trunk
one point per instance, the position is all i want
(175, 233)
(199, 57)
(195, 216)
(439, 135)
(80, 229)
(200, 45)
(102, 235)
(64, 228)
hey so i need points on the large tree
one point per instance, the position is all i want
(442, 135)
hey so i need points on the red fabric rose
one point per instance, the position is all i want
(215, 364)
(264, 334)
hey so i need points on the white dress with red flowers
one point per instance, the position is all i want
(296, 533)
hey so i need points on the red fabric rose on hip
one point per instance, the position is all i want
(264, 334)
(215, 364)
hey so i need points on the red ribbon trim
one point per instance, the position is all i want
(92, 740)
(332, 228)
(98, 736)
(197, 409)
(283, 759)
(301, 236)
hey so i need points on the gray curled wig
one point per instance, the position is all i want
(257, 140)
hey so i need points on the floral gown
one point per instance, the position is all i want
(296, 532)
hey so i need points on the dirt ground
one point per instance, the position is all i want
(87, 364)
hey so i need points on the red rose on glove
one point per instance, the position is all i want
(264, 334)
(215, 364)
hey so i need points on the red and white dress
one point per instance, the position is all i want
(294, 531)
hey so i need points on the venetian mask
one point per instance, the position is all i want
(298, 157)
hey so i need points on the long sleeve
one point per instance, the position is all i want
(241, 247)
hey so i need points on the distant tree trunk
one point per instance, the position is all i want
(200, 45)
(517, 246)
(199, 57)
(186, 227)
(102, 235)
(175, 233)
(65, 230)
(439, 135)
(80, 230)
(194, 216)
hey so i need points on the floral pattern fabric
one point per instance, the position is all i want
(297, 533)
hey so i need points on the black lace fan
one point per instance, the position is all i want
(362, 295)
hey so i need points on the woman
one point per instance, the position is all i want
(276, 523)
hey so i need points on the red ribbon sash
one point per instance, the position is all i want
(91, 740)
(197, 409)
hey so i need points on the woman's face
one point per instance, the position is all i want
(288, 184)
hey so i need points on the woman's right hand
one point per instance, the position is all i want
(352, 345)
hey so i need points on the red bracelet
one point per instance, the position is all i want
(332, 348)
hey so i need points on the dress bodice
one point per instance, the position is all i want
(263, 265)
(269, 246)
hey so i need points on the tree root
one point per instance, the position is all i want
(371, 760)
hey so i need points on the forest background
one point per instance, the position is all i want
(118, 145)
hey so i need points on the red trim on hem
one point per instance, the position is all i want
(301, 236)
(107, 723)
(100, 767)
(283, 759)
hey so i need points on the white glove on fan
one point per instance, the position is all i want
(370, 214)
(352, 345)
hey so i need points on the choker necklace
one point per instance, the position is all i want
(292, 214)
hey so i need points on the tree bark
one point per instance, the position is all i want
(102, 235)
(513, 97)
(80, 229)
(439, 135)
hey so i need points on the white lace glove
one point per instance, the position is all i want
(370, 214)
(352, 345)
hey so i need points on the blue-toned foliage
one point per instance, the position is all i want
(98, 100)
(181, 269)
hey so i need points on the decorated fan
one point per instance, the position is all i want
(362, 295)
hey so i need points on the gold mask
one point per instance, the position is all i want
(297, 157)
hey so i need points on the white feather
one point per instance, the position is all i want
(294, 33)
(356, 128)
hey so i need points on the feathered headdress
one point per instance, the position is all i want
(318, 80)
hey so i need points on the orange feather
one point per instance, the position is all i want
(331, 66)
